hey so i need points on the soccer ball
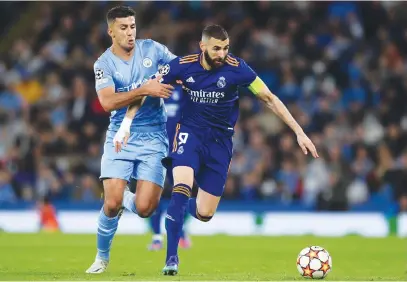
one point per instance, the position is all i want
(314, 262)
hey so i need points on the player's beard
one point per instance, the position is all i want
(211, 62)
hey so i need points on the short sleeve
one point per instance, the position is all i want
(246, 74)
(103, 75)
(164, 55)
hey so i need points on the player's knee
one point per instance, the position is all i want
(112, 206)
(205, 215)
(145, 209)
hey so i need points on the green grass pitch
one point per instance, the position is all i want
(66, 257)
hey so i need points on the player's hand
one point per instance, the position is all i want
(154, 88)
(179, 82)
(307, 145)
(121, 137)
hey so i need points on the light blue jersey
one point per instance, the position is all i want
(148, 142)
(110, 70)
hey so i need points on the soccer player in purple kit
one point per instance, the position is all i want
(173, 106)
(203, 146)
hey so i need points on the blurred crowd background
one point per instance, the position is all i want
(340, 67)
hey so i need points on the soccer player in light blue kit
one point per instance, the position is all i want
(122, 76)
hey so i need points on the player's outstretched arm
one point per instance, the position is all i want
(123, 134)
(111, 101)
(260, 89)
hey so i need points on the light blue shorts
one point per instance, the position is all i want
(140, 159)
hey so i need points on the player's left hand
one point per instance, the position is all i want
(121, 137)
(307, 145)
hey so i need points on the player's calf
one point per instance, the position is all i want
(174, 220)
(107, 222)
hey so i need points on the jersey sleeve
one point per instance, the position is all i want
(164, 55)
(246, 74)
(170, 72)
(103, 75)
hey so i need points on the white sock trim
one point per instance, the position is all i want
(157, 237)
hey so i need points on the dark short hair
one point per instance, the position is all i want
(120, 12)
(215, 31)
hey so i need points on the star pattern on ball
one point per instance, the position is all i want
(308, 271)
(325, 266)
(314, 262)
(313, 254)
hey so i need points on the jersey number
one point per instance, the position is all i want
(182, 137)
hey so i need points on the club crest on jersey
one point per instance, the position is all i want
(180, 150)
(164, 70)
(147, 62)
(221, 82)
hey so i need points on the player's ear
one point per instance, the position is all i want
(110, 31)
(202, 46)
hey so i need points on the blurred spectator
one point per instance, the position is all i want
(339, 66)
(6, 190)
(48, 216)
(89, 191)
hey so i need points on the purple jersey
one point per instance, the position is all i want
(203, 137)
(173, 106)
(213, 94)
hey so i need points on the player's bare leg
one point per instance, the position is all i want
(204, 206)
(174, 220)
(144, 202)
(113, 195)
(146, 199)
(148, 196)
(108, 222)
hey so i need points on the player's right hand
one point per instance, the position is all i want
(154, 88)
(121, 137)
(307, 145)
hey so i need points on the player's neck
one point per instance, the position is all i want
(121, 53)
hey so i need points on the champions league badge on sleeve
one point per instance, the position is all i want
(164, 70)
(99, 74)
